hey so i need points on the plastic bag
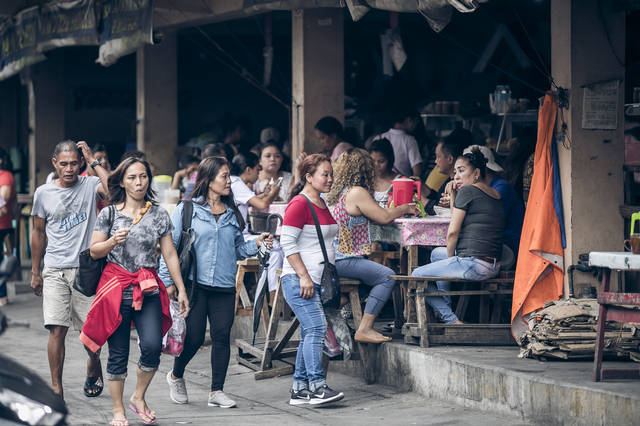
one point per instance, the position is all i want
(173, 341)
(338, 337)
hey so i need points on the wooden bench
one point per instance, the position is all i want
(419, 329)
(245, 266)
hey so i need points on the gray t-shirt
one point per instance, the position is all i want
(70, 214)
(483, 224)
(139, 250)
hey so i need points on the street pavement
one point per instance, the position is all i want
(260, 402)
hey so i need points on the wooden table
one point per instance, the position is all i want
(411, 233)
(621, 307)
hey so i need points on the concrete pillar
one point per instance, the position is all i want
(591, 167)
(46, 116)
(157, 103)
(8, 113)
(317, 56)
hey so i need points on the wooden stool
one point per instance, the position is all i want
(249, 265)
(349, 287)
(419, 329)
(366, 352)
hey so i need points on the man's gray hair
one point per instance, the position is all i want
(65, 146)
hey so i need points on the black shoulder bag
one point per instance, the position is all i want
(186, 251)
(329, 283)
(90, 269)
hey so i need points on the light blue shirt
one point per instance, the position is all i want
(218, 246)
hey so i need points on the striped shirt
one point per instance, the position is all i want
(299, 236)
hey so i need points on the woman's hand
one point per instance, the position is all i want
(411, 209)
(306, 287)
(266, 238)
(171, 292)
(183, 301)
(120, 236)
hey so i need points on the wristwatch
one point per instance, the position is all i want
(96, 163)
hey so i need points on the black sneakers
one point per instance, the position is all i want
(324, 395)
(300, 397)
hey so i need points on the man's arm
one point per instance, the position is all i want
(38, 244)
(99, 170)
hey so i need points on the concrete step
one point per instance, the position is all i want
(496, 380)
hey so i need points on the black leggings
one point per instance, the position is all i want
(219, 307)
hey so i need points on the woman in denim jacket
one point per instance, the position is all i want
(218, 244)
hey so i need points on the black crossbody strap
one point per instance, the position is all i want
(187, 212)
(320, 237)
(111, 219)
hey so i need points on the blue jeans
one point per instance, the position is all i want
(468, 268)
(308, 373)
(372, 274)
(148, 322)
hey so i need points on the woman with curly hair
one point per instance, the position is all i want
(353, 207)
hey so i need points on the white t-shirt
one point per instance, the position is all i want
(70, 215)
(405, 150)
(242, 194)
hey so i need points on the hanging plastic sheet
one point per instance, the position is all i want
(125, 27)
(539, 272)
(67, 23)
(18, 42)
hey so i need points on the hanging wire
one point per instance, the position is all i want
(471, 52)
(232, 64)
(542, 66)
(607, 34)
(243, 73)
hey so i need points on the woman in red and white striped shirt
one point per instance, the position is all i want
(301, 273)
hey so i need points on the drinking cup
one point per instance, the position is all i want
(633, 244)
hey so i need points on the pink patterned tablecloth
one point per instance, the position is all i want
(426, 231)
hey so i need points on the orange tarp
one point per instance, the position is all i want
(539, 271)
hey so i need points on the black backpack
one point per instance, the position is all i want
(186, 251)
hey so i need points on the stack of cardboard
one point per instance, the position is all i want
(566, 329)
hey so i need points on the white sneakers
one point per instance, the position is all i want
(219, 399)
(177, 390)
(178, 394)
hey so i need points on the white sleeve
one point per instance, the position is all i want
(289, 239)
(241, 192)
(414, 152)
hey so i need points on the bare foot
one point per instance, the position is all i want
(4, 301)
(370, 336)
(458, 322)
(119, 416)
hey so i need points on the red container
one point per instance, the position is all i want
(403, 190)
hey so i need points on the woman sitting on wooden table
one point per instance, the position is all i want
(474, 239)
(353, 207)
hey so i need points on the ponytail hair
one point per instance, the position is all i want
(307, 166)
(241, 161)
(477, 160)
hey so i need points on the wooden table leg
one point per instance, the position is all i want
(602, 322)
(412, 259)
(421, 314)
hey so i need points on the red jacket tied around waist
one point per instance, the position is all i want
(104, 316)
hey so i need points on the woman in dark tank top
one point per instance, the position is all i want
(474, 239)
